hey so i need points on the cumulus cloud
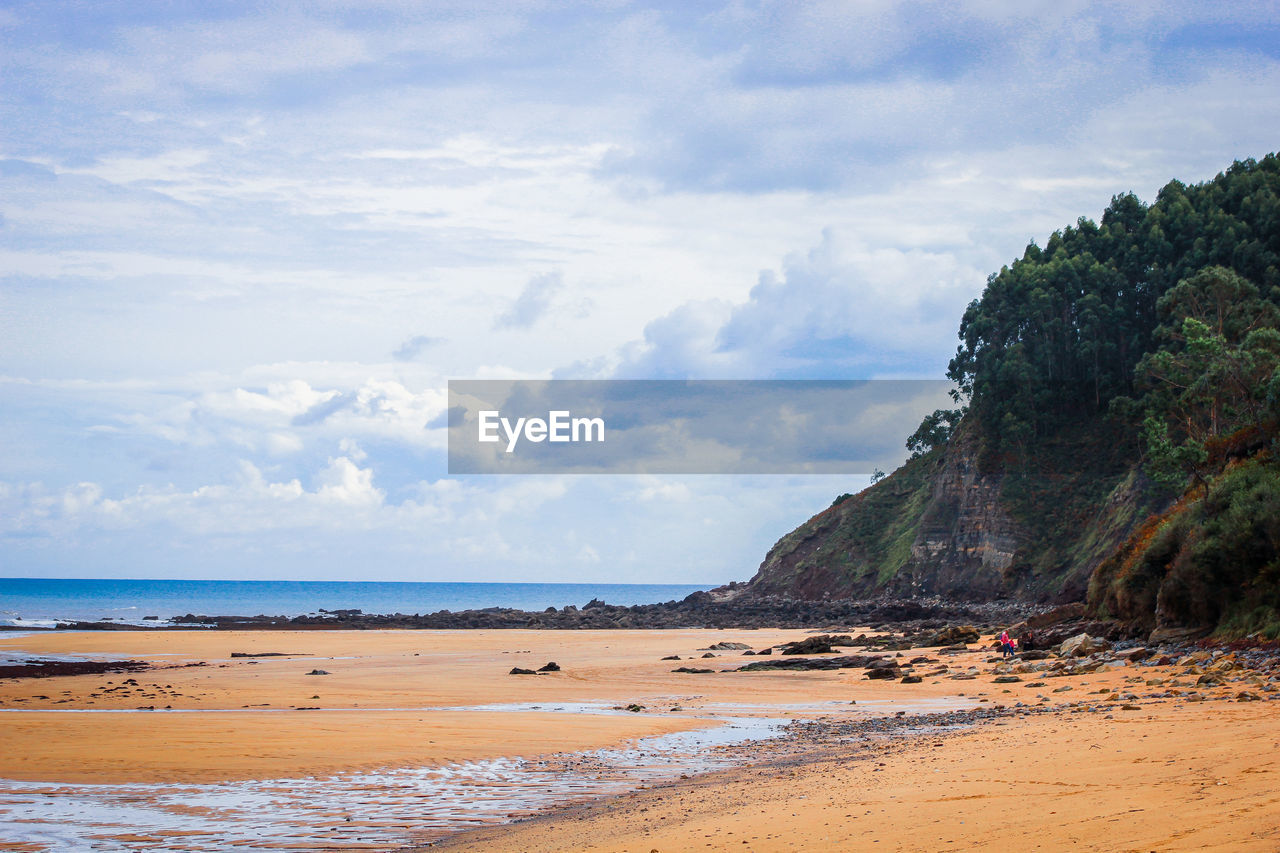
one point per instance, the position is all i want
(843, 309)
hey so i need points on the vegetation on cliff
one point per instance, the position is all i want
(1122, 390)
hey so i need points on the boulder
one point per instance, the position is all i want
(318, 672)
(727, 647)
(1082, 645)
(550, 667)
(1176, 634)
(516, 670)
(808, 646)
(884, 673)
(843, 662)
(955, 635)
(1065, 613)
(911, 679)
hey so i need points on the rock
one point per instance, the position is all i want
(955, 635)
(1065, 613)
(842, 662)
(808, 646)
(1082, 645)
(552, 666)
(1006, 679)
(882, 673)
(1171, 634)
(1246, 696)
(1033, 654)
(1130, 707)
(1209, 679)
(767, 651)
(728, 647)
(709, 655)
(1135, 655)
(672, 657)
(692, 670)
(911, 679)
(516, 670)
(318, 672)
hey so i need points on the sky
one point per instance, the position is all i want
(243, 248)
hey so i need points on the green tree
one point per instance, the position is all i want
(1213, 372)
(934, 431)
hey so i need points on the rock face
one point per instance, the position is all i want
(966, 539)
(963, 526)
(936, 527)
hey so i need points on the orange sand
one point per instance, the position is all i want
(1173, 775)
(372, 674)
(1196, 777)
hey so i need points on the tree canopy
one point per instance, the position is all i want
(1068, 328)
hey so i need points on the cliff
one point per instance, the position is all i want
(1120, 437)
(955, 524)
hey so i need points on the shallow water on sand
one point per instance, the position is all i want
(353, 811)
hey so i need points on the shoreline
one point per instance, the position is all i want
(721, 609)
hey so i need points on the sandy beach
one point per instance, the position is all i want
(1103, 760)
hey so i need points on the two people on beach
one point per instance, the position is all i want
(1008, 645)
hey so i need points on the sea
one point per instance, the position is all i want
(43, 602)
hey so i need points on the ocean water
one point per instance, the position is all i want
(40, 602)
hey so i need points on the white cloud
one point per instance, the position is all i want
(344, 482)
(268, 237)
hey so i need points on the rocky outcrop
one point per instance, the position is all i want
(964, 526)
(966, 541)
(701, 609)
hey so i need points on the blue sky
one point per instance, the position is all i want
(244, 246)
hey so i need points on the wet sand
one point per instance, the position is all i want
(1201, 777)
(384, 702)
(1172, 774)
